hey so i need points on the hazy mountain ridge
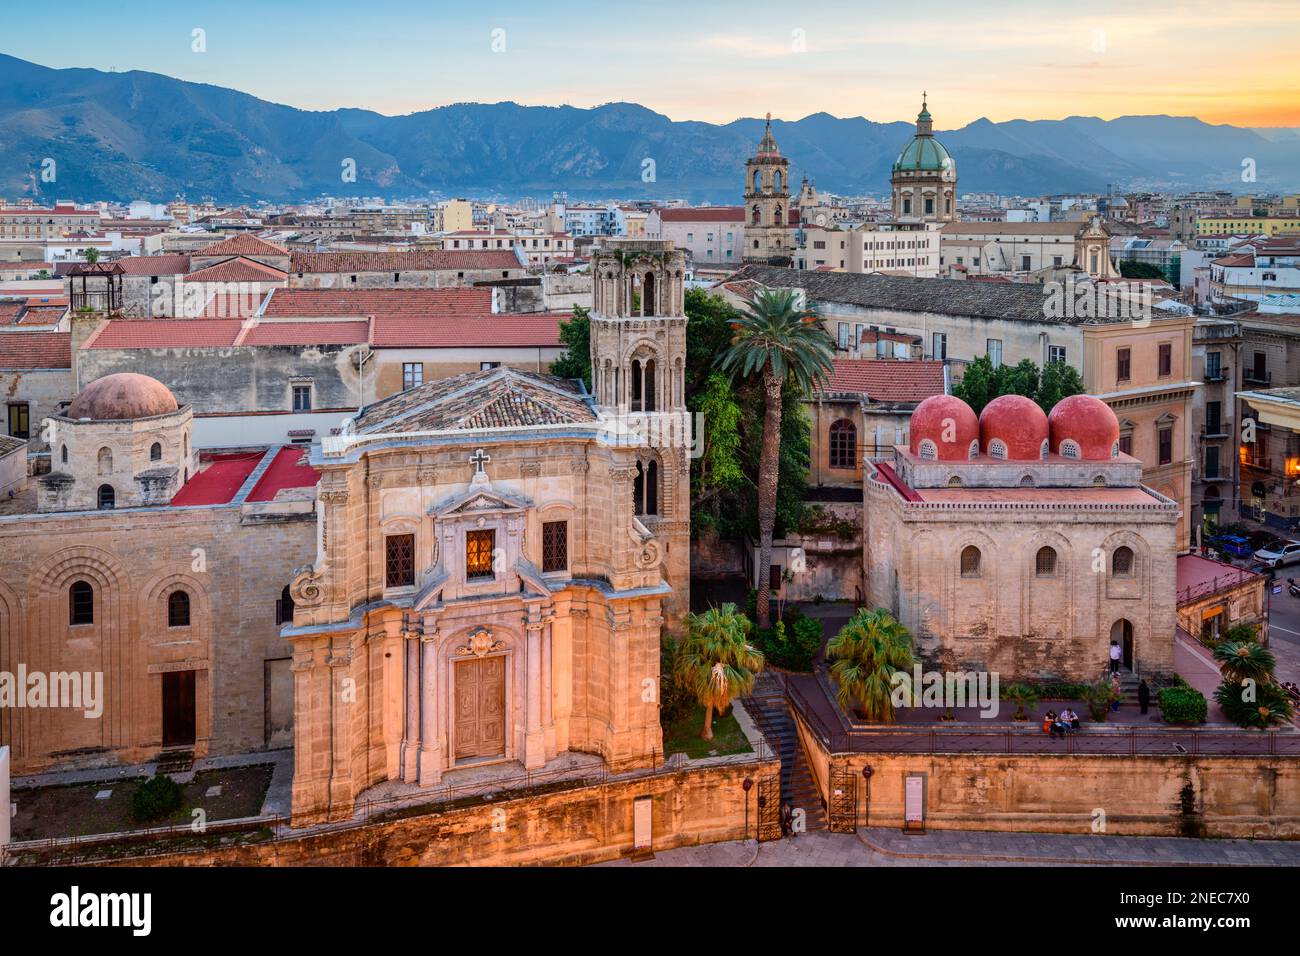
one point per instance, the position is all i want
(131, 135)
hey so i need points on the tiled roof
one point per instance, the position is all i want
(379, 302)
(704, 214)
(497, 398)
(238, 269)
(1016, 300)
(885, 380)
(8, 444)
(245, 244)
(35, 350)
(168, 265)
(537, 329)
(165, 333)
(307, 333)
(423, 261)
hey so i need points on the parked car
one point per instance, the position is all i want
(1233, 544)
(1276, 555)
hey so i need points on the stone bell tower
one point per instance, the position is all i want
(638, 370)
(769, 236)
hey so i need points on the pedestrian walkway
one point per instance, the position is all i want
(880, 846)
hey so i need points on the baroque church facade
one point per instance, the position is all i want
(498, 554)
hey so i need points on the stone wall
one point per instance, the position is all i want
(42, 390)
(577, 826)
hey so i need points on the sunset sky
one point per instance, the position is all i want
(1225, 61)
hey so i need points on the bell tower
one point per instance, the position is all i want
(769, 237)
(638, 375)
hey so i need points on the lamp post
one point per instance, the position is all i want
(747, 785)
(867, 771)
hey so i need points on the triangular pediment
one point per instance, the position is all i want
(479, 501)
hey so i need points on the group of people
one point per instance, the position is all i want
(1060, 724)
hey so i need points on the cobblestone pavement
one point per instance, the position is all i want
(877, 846)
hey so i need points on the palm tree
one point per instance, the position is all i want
(716, 663)
(1245, 660)
(867, 652)
(92, 255)
(1270, 704)
(776, 339)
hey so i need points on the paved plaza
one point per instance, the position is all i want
(879, 846)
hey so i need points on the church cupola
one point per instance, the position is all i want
(924, 177)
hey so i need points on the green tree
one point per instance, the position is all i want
(717, 472)
(43, 274)
(92, 255)
(716, 663)
(1058, 380)
(978, 385)
(1021, 379)
(867, 651)
(1267, 706)
(708, 332)
(575, 334)
(779, 342)
(1132, 269)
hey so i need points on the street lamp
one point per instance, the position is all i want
(867, 771)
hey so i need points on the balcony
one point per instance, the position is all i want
(1257, 377)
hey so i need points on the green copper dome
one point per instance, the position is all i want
(923, 153)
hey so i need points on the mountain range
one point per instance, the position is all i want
(131, 135)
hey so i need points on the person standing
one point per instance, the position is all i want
(1115, 655)
(1144, 696)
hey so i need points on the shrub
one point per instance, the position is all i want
(675, 700)
(156, 798)
(1099, 697)
(1024, 696)
(791, 643)
(1059, 690)
(1270, 704)
(1182, 705)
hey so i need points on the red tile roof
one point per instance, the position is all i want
(307, 333)
(538, 329)
(886, 380)
(379, 302)
(168, 265)
(238, 269)
(35, 350)
(245, 244)
(165, 333)
(430, 260)
(703, 214)
(1197, 576)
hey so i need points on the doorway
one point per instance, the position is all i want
(481, 708)
(178, 707)
(1122, 632)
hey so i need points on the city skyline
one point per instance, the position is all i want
(839, 59)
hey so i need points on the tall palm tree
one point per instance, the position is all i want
(716, 662)
(776, 339)
(92, 255)
(867, 652)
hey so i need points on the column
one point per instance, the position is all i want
(534, 738)
(411, 688)
(430, 754)
(548, 692)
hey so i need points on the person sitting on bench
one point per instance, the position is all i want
(1070, 719)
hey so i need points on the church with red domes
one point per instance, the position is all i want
(1022, 542)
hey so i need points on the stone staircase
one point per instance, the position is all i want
(771, 713)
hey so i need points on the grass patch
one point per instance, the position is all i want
(683, 735)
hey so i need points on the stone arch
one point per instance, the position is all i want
(153, 602)
(104, 461)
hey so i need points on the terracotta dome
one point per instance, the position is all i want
(947, 423)
(1018, 423)
(1087, 422)
(123, 395)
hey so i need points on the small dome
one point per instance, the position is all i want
(1018, 423)
(1089, 423)
(122, 395)
(946, 425)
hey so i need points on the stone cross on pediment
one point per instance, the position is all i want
(478, 460)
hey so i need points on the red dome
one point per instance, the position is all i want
(1087, 422)
(946, 422)
(122, 395)
(1018, 423)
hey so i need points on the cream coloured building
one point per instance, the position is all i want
(1022, 544)
(1042, 250)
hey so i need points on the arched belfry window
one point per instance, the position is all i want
(758, 184)
(757, 216)
(777, 180)
(648, 294)
(645, 488)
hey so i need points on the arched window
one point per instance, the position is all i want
(107, 499)
(648, 294)
(1044, 449)
(155, 452)
(1027, 481)
(1121, 562)
(758, 186)
(928, 450)
(1045, 563)
(954, 481)
(105, 461)
(64, 454)
(970, 561)
(284, 607)
(81, 603)
(998, 448)
(1114, 450)
(777, 180)
(1069, 448)
(974, 451)
(1099, 481)
(844, 443)
(777, 219)
(178, 609)
(756, 217)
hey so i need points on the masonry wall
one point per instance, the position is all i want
(42, 390)
(417, 279)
